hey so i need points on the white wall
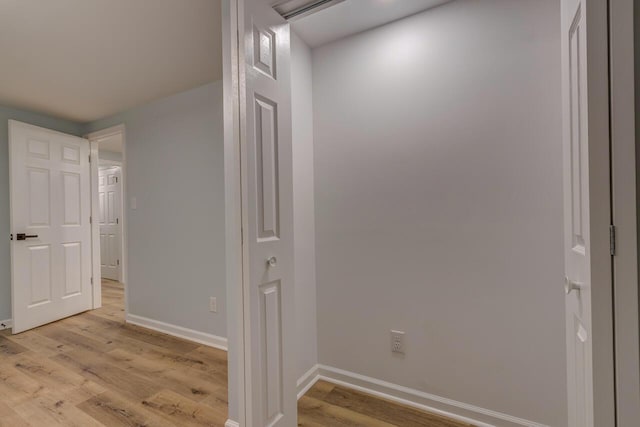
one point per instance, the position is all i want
(439, 204)
(303, 205)
(176, 246)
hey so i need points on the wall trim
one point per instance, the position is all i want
(6, 324)
(178, 331)
(231, 423)
(307, 380)
(474, 415)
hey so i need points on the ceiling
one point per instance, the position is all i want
(86, 59)
(353, 16)
(111, 143)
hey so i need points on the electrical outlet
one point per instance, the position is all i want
(213, 305)
(397, 342)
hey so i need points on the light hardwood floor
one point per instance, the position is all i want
(93, 370)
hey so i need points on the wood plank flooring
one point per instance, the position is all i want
(94, 370)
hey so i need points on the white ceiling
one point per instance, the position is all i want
(354, 16)
(111, 143)
(87, 59)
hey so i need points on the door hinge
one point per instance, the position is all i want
(90, 220)
(118, 262)
(92, 281)
(117, 220)
(89, 158)
(612, 239)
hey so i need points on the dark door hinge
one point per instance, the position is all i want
(612, 240)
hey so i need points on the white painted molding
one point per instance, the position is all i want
(178, 331)
(231, 423)
(5, 324)
(306, 381)
(471, 414)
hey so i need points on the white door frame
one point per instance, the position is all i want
(233, 214)
(618, 190)
(624, 211)
(95, 138)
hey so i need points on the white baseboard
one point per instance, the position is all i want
(463, 412)
(306, 381)
(178, 331)
(5, 324)
(231, 423)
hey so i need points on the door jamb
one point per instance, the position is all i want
(231, 13)
(96, 275)
(94, 138)
(624, 211)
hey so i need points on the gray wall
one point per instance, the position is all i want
(110, 155)
(5, 255)
(636, 46)
(303, 205)
(174, 166)
(439, 204)
(636, 29)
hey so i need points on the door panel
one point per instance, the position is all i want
(587, 217)
(109, 196)
(41, 281)
(71, 198)
(38, 183)
(578, 302)
(50, 203)
(266, 122)
(72, 268)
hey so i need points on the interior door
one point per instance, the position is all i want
(588, 294)
(109, 196)
(265, 114)
(51, 240)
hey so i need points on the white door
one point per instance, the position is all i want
(588, 298)
(268, 210)
(109, 185)
(50, 209)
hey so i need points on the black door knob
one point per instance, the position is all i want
(22, 236)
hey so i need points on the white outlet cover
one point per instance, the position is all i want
(397, 342)
(213, 305)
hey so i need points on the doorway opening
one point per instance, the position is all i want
(109, 181)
